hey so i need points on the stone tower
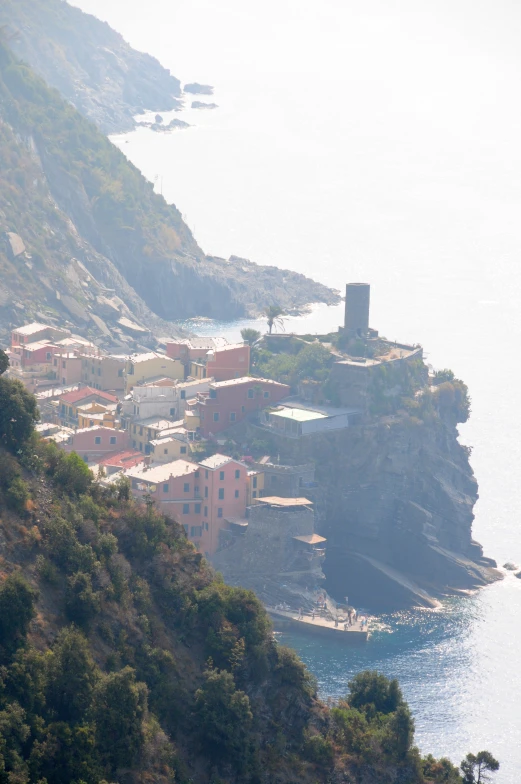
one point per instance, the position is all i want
(356, 322)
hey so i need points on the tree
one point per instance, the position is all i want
(274, 315)
(224, 718)
(16, 612)
(119, 707)
(72, 676)
(476, 767)
(250, 336)
(4, 361)
(373, 693)
(18, 413)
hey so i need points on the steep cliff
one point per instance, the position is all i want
(395, 500)
(88, 62)
(68, 192)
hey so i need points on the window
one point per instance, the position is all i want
(251, 393)
(172, 412)
(186, 508)
(213, 394)
(91, 423)
(55, 363)
(99, 371)
(186, 529)
(197, 509)
(206, 512)
(221, 494)
(165, 451)
(120, 373)
(165, 488)
(236, 494)
(140, 446)
(196, 474)
(183, 394)
(206, 526)
(135, 429)
(183, 450)
(140, 431)
(186, 487)
(206, 492)
(97, 440)
(255, 494)
(255, 481)
(219, 512)
(232, 416)
(196, 530)
(113, 439)
(221, 475)
(266, 394)
(216, 416)
(48, 355)
(206, 474)
(237, 473)
(243, 409)
(133, 444)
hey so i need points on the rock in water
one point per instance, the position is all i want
(512, 567)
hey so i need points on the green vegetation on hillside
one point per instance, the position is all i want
(123, 657)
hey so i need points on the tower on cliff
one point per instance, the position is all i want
(356, 321)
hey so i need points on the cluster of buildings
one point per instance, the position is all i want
(154, 415)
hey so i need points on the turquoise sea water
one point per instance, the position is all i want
(377, 141)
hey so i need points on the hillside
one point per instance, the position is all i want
(88, 62)
(70, 194)
(125, 659)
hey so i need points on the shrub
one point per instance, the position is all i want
(81, 601)
(17, 495)
(16, 612)
(72, 676)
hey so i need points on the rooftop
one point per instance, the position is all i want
(298, 414)
(311, 539)
(233, 382)
(162, 473)
(30, 329)
(38, 344)
(84, 392)
(158, 423)
(229, 347)
(179, 436)
(149, 355)
(127, 458)
(216, 461)
(110, 430)
(275, 500)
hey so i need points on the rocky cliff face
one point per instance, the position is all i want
(395, 502)
(68, 193)
(88, 62)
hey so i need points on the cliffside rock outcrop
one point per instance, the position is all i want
(396, 500)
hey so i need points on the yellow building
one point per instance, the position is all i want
(144, 431)
(104, 372)
(255, 486)
(143, 367)
(96, 414)
(171, 447)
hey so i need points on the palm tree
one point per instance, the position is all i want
(274, 315)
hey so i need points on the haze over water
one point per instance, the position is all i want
(377, 141)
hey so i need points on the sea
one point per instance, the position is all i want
(376, 141)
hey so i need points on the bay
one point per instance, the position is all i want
(376, 141)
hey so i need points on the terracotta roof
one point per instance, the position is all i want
(127, 458)
(80, 394)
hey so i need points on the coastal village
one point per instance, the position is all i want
(171, 422)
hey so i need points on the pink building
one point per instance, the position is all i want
(203, 498)
(229, 402)
(220, 360)
(228, 362)
(92, 443)
(67, 366)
